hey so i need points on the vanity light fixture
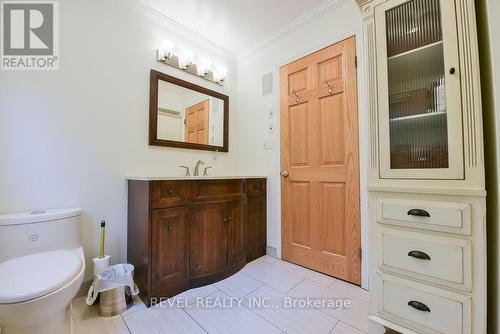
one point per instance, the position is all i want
(185, 61)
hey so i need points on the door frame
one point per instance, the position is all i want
(362, 137)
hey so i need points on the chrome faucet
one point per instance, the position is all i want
(187, 170)
(205, 173)
(197, 167)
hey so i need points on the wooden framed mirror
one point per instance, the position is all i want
(185, 115)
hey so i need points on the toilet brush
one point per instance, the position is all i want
(101, 249)
(102, 261)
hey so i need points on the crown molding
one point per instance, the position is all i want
(182, 29)
(293, 26)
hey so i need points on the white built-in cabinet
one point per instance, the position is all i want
(427, 197)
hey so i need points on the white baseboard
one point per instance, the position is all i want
(272, 251)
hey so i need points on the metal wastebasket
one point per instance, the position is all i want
(115, 288)
(115, 301)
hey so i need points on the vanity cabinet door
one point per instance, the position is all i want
(169, 256)
(207, 238)
(237, 232)
(256, 228)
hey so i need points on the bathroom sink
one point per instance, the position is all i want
(209, 177)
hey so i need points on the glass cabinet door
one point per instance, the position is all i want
(420, 124)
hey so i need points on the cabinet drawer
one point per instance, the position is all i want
(208, 190)
(256, 187)
(437, 216)
(437, 259)
(426, 309)
(169, 193)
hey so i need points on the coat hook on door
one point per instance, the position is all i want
(330, 91)
(296, 96)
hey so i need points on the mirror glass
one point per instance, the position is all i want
(185, 115)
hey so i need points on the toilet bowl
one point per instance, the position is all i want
(41, 269)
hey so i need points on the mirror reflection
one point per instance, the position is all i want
(185, 115)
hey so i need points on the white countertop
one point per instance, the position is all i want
(186, 178)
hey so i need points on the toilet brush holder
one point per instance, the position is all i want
(101, 263)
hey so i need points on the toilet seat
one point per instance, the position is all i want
(29, 277)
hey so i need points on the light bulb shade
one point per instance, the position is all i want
(220, 74)
(204, 67)
(166, 50)
(186, 59)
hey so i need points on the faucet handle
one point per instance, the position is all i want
(187, 170)
(205, 170)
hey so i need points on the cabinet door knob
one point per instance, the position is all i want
(452, 70)
(418, 213)
(419, 255)
(225, 221)
(285, 173)
(170, 227)
(419, 306)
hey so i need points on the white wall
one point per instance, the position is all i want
(253, 121)
(69, 138)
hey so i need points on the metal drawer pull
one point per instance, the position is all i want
(419, 306)
(419, 255)
(418, 213)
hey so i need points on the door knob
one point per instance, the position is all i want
(284, 173)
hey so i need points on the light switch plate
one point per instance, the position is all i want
(268, 144)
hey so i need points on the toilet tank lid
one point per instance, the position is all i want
(38, 216)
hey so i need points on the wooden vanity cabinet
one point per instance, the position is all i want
(189, 233)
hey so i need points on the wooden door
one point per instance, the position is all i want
(236, 231)
(207, 238)
(196, 129)
(319, 152)
(169, 245)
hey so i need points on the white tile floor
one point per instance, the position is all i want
(230, 306)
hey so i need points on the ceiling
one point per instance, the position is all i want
(236, 25)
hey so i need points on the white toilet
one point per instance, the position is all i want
(41, 269)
